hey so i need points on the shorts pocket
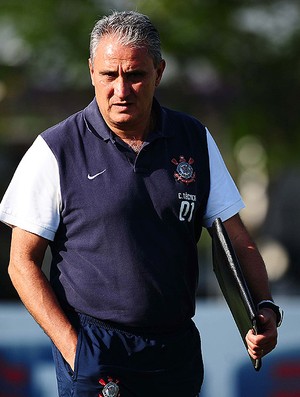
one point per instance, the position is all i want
(77, 354)
(62, 364)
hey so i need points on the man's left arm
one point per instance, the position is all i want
(255, 273)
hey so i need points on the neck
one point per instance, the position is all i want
(135, 144)
(136, 137)
(139, 132)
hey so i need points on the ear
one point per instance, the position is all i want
(160, 70)
(91, 67)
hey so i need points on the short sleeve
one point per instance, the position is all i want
(224, 199)
(33, 200)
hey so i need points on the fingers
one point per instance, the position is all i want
(256, 353)
(255, 349)
(259, 345)
(263, 343)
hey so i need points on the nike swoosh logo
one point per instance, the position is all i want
(90, 177)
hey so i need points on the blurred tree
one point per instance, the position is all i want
(49, 39)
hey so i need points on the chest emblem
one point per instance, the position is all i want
(110, 389)
(184, 171)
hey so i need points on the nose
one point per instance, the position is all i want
(121, 88)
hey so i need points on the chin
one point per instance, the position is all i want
(122, 119)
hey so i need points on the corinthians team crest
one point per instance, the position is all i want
(110, 389)
(184, 171)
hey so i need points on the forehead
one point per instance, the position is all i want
(111, 52)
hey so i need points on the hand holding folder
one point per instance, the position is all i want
(232, 283)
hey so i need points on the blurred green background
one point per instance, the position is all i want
(235, 65)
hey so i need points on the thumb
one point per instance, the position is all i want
(262, 319)
(266, 318)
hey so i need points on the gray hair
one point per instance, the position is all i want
(131, 28)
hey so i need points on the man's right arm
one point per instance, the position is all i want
(26, 257)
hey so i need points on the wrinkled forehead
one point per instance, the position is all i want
(112, 39)
(112, 50)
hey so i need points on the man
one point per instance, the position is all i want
(120, 192)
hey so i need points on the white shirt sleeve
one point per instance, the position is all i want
(33, 200)
(224, 199)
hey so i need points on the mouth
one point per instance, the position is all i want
(122, 106)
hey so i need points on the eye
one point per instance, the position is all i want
(136, 75)
(108, 76)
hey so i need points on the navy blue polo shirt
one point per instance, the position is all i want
(125, 250)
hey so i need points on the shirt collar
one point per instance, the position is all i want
(95, 121)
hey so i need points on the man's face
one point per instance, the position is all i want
(125, 79)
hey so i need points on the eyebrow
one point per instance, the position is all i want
(128, 73)
(104, 72)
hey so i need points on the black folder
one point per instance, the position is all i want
(232, 283)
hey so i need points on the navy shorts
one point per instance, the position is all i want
(113, 362)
